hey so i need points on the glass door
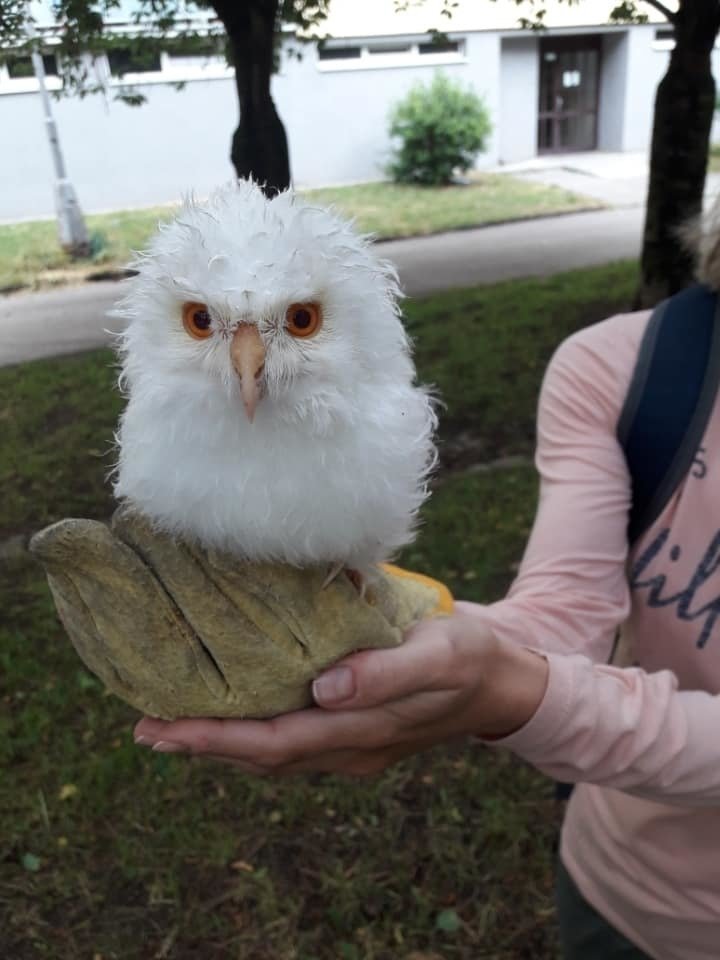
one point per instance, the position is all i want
(569, 85)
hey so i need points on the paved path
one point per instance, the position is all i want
(616, 179)
(72, 319)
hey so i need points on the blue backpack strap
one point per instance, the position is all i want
(670, 399)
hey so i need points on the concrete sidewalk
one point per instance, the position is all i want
(616, 179)
(72, 319)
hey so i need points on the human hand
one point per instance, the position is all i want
(450, 678)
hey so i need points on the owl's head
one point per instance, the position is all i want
(274, 307)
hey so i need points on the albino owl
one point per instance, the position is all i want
(271, 406)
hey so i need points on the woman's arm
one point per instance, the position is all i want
(626, 729)
(571, 592)
(623, 728)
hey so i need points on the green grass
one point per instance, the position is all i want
(57, 419)
(393, 210)
(714, 159)
(30, 254)
(484, 350)
(107, 850)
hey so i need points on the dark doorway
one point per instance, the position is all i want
(569, 90)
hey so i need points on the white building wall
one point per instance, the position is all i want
(120, 156)
(484, 60)
(647, 65)
(337, 119)
(613, 80)
(519, 96)
(715, 135)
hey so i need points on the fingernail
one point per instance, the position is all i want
(142, 741)
(334, 686)
(165, 746)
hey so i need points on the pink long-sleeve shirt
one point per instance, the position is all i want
(641, 836)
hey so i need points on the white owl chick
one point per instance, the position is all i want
(271, 407)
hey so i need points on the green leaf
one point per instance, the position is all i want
(448, 921)
(442, 127)
(85, 681)
(30, 862)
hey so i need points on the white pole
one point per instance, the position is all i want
(71, 226)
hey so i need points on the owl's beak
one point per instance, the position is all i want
(247, 352)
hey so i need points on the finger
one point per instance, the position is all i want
(151, 730)
(271, 743)
(358, 763)
(241, 765)
(343, 763)
(374, 677)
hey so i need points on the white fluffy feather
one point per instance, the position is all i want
(334, 466)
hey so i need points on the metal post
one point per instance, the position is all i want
(71, 225)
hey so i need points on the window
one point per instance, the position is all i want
(384, 49)
(339, 53)
(124, 60)
(440, 46)
(378, 54)
(571, 78)
(18, 76)
(664, 39)
(21, 67)
(182, 59)
(200, 47)
(130, 60)
(194, 53)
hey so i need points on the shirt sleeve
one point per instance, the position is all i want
(571, 592)
(626, 729)
(622, 728)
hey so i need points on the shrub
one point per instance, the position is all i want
(441, 128)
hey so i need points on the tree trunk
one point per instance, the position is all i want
(259, 145)
(684, 108)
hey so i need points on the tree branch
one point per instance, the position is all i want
(665, 11)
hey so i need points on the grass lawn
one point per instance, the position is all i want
(30, 255)
(714, 160)
(392, 210)
(111, 852)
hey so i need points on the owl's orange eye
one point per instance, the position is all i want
(303, 319)
(197, 320)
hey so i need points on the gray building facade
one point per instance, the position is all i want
(571, 89)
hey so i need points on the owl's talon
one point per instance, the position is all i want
(335, 571)
(354, 576)
(358, 581)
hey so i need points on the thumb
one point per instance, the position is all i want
(374, 677)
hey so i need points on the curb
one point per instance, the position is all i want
(465, 228)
